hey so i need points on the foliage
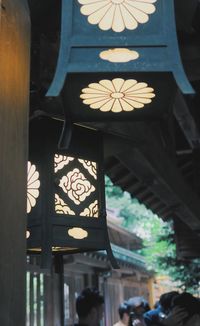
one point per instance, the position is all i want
(136, 217)
(158, 238)
(111, 190)
(186, 272)
(157, 247)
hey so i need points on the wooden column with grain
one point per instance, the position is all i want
(14, 107)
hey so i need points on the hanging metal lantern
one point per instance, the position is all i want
(65, 203)
(118, 59)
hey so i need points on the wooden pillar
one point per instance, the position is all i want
(107, 307)
(59, 270)
(14, 106)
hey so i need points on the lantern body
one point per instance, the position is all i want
(68, 214)
(120, 38)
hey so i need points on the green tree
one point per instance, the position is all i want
(136, 216)
(111, 190)
(186, 272)
(158, 238)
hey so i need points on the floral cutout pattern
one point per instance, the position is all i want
(60, 161)
(117, 95)
(61, 207)
(117, 15)
(90, 166)
(91, 211)
(33, 185)
(76, 186)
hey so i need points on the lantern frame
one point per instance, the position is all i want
(50, 229)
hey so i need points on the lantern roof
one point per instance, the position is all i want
(126, 256)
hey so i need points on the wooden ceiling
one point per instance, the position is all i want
(158, 161)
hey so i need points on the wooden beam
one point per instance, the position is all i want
(186, 241)
(186, 121)
(145, 156)
(14, 107)
(168, 184)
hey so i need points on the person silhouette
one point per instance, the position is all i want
(89, 307)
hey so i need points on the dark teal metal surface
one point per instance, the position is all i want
(81, 44)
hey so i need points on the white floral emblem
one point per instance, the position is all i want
(117, 14)
(117, 95)
(78, 233)
(33, 185)
(119, 55)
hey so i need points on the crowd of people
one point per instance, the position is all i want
(173, 309)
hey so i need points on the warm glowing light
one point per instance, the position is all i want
(60, 161)
(58, 249)
(28, 234)
(117, 95)
(76, 186)
(61, 207)
(90, 166)
(77, 233)
(117, 14)
(54, 249)
(33, 185)
(35, 249)
(119, 55)
(91, 211)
